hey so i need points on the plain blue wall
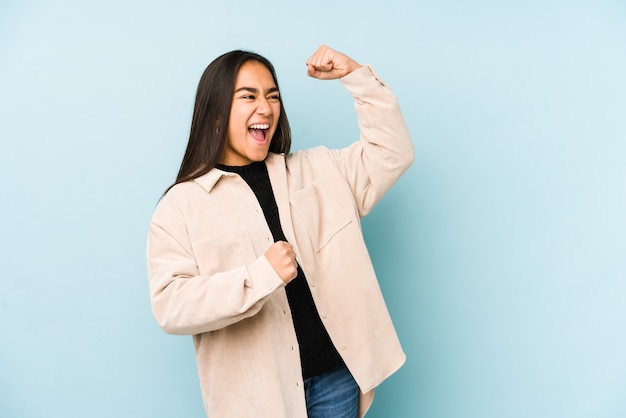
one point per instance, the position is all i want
(501, 253)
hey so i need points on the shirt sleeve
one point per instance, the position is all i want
(185, 302)
(385, 150)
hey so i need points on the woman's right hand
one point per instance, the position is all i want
(282, 257)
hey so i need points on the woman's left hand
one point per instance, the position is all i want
(328, 64)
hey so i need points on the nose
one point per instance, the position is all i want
(264, 107)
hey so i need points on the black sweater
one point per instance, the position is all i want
(317, 352)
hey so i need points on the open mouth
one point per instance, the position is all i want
(259, 131)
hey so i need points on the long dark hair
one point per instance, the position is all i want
(211, 113)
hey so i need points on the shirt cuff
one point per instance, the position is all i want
(263, 276)
(362, 80)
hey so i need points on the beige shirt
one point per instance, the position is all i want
(209, 277)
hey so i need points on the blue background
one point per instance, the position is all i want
(501, 252)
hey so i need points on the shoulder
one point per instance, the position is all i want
(179, 192)
(319, 164)
(308, 156)
(175, 199)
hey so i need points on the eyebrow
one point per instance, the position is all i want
(255, 91)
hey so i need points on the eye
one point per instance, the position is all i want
(274, 98)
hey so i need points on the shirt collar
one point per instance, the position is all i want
(210, 179)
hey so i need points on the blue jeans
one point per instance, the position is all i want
(332, 395)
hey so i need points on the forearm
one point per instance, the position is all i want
(185, 302)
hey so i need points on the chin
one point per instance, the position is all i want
(261, 157)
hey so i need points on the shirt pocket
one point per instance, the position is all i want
(321, 215)
(224, 252)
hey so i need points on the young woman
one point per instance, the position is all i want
(258, 252)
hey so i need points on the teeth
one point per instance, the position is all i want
(260, 126)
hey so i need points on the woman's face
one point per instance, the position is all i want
(253, 116)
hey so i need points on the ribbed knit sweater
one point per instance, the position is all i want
(317, 352)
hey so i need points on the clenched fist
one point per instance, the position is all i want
(328, 64)
(282, 257)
